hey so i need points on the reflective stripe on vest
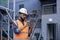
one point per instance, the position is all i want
(24, 32)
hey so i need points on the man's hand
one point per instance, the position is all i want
(23, 27)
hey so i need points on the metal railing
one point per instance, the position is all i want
(34, 26)
(2, 29)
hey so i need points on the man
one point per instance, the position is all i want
(20, 26)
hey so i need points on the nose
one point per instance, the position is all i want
(24, 15)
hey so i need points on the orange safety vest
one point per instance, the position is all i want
(24, 32)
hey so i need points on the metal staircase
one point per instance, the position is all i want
(34, 26)
(6, 18)
(33, 29)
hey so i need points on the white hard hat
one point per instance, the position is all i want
(23, 10)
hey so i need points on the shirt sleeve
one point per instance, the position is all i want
(16, 29)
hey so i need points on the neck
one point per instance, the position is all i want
(21, 19)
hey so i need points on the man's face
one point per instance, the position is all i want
(22, 15)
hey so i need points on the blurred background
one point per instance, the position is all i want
(44, 15)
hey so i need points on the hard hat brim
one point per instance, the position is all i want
(23, 13)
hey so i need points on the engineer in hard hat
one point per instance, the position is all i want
(20, 26)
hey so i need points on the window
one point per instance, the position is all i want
(21, 6)
(51, 9)
(34, 11)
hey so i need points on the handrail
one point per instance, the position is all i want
(8, 25)
(33, 29)
(9, 15)
(2, 7)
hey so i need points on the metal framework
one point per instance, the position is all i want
(9, 19)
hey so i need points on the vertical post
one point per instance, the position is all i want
(8, 4)
(14, 9)
(13, 14)
(8, 27)
(1, 30)
(8, 21)
(1, 27)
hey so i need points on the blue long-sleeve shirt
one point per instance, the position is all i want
(16, 29)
